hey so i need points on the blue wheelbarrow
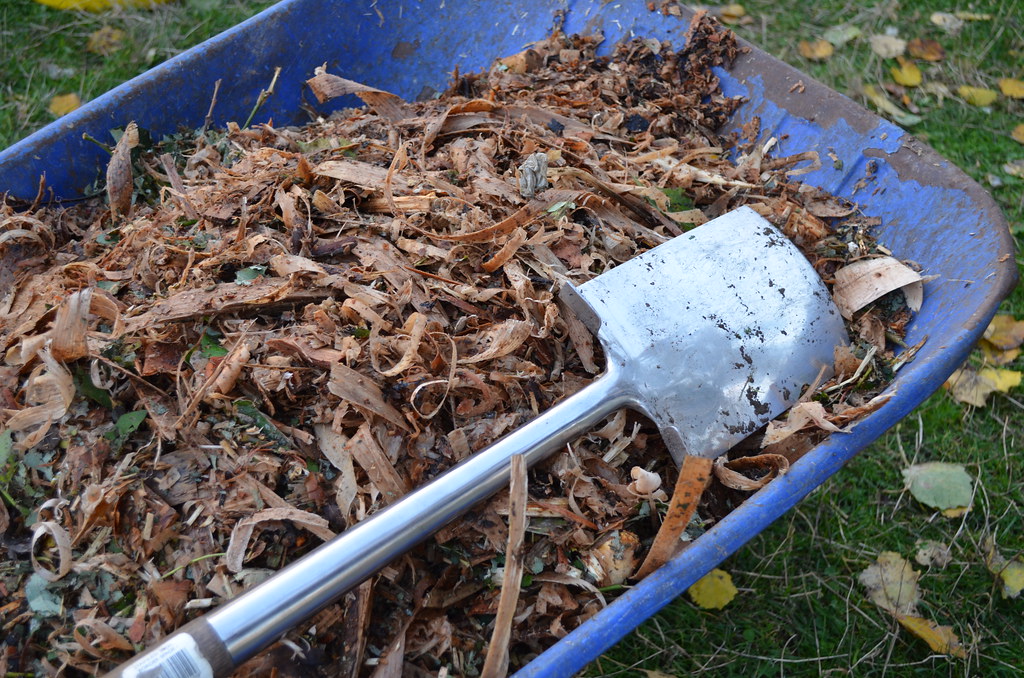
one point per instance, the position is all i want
(930, 211)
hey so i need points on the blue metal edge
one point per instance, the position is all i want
(931, 212)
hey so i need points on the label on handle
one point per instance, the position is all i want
(178, 657)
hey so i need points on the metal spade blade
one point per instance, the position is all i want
(711, 335)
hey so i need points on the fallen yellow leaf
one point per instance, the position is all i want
(939, 638)
(1018, 133)
(100, 5)
(973, 387)
(892, 584)
(947, 22)
(882, 103)
(819, 50)
(998, 356)
(734, 14)
(977, 96)
(1012, 88)
(62, 104)
(1005, 332)
(1002, 380)
(1009, 572)
(713, 591)
(907, 73)
(929, 50)
(972, 16)
(105, 41)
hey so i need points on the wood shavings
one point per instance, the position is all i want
(61, 542)
(290, 328)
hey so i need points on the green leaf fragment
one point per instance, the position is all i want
(250, 414)
(940, 485)
(247, 275)
(41, 599)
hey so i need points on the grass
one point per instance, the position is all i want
(801, 611)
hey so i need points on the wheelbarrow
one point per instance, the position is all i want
(930, 211)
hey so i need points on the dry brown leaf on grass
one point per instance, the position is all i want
(815, 50)
(973, 386)
(887, 46)
(714, 590)
(1008, 572)
(891, 584)
(105, 40)
(1011, 87)
(62, 104)
(923, 48)
(1002, 340)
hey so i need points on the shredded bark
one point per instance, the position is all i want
(262, 336)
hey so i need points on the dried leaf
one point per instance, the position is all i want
(800, 416)
(120, 184)
(973, 387)
(947, 22)
(891, 584)
(939, 638)
(1018, 133)
(1009, 573)
(1015, 168)
(907, 73)
(817, 50)
(977, 96)
(105, 40)
(882, 103)
(1011, 87)
(887, 46)
(841, 34)
(940, 485)
(714, 590)
(1005, 332)
(932, 553)
(62, 104)
(923, 48)
(864, 281)
(332, 445)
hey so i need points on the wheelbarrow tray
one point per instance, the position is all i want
(931, 212)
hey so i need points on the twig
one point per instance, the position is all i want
(496, 664)
(209, 113)
(264, 95)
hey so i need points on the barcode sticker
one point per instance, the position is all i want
(179, 657)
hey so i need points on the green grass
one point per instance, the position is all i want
(801, 611)
(42, 51)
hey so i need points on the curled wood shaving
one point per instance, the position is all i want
(50, 391)
(496, 341)
(799, 416)
(866, 280)
(736, 474)
(61, 541)
(242, 532)
(119, 172)
(70, 325)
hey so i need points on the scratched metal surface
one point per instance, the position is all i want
(931, 212)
